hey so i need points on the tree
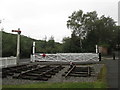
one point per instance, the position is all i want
(74, 43)
(51, 45)
(66, 45)
(81, 23)
(71, 45)
(92, 29)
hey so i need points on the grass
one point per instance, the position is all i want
(102, 74)
(60, 85)
(100, 83)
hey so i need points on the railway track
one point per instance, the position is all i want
(79, 72)
(40, 74)
(9, 71)
(31, 72)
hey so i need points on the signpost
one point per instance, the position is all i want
(18, 44)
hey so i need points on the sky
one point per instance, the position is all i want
(40, 18)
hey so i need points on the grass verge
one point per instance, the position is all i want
(102, 76)
(60, 85)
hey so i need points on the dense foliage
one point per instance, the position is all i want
(9, 45)
(93, 30)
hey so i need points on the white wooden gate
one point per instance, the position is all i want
(66, 57)
(7, 61)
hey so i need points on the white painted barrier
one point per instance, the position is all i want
(66, 57)
(7, 61)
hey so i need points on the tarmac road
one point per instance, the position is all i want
(112, 72)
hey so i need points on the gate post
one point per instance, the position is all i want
(99, 56)
(113, 56)
(6, 62)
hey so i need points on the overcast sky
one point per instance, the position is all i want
(40, 18)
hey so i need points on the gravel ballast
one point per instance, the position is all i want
(57, 77)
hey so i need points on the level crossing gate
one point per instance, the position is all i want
(66, 57)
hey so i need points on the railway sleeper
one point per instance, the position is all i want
(38, 71)
(37, 75)
(81, 68)
(70, 70)
(51, 73)
(55, 71)
(31, 74)
(9, 74)
(44, 69)
(4, 76)
(79, 75)
(48, 76)
(29, 71)
(34, 78)
(15, 69)
(16, 76)
(80, 72)
(60, 68)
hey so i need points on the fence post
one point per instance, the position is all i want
(113, 56)
(31, 58)
(15, 60)
(99, 56)
(6, 62)
(57, 56)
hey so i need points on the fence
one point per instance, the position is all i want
(7, 61)
(66, 57)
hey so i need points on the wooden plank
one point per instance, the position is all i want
(70, 71)
(89, 72)
(80, 72)
(78, 75)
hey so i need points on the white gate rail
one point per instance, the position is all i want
(66, 57)
(7, 61)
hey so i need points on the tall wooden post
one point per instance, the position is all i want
(18, 44)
